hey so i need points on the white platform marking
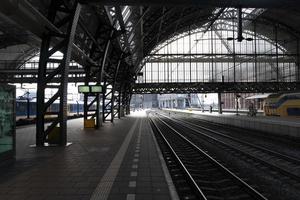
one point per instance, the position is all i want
(103, 188)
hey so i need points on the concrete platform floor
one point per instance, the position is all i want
(118, 161)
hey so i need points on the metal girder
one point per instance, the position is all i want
(111, 99)
(119, 102)
(298, 62)
(68, 14)
(126, 98)
(223, 25)
(91, 105)
(123, 28)
(284, 58)
(224, 42)
(171, 19)
(115, 105)
(215, 87)
(27, 72)
(113, 83)
(92, 108)
(27, 16)
(160, 24)
(221, 54)
(115, 101)
(107, 102)
(202, 3)
(21, 79)
(101, 71)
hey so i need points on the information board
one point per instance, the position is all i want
(96, 88)
(7, 122)
(84, 89)
(90, 89)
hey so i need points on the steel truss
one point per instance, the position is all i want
(105, 52)
(221, 58)
(64, 16)
(262, 64)
(28, 75)
(99, 52)
(209, 87)
(126, 98)
(224, 23)
(112, 97)
(119, 68)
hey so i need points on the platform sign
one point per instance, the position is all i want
(96, 88)
(7, 123)
(90, 89)
(84, 89)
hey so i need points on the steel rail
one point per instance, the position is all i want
(254, 193)
(248, 154)
(198, 190)
(283, 156)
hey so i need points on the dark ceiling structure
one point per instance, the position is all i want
(108, 39)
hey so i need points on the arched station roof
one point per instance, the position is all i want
(141, 26)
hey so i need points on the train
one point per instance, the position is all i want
(74, 108)
(282, 104)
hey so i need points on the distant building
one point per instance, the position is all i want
(144, 101)
(230, 101)
(179, 101)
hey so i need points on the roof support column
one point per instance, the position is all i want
(113, 98)
(220, 103)
(298, 62)
(92, 108)
(277, 59)
(255, 53)
(233, 52)
(54, 42)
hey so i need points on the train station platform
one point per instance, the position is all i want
(280, 126)
(119, 161)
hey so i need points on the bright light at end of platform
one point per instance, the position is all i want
(139, 113)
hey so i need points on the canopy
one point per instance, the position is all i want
(259, 96)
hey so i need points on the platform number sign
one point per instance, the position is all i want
(96, 88)
(90, 89)
(84, 89)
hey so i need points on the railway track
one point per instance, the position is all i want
(196, 174)
(214, 125)
(276, 162)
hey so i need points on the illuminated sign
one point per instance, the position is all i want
(90, 88)
(84, 89)
(96, 88)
